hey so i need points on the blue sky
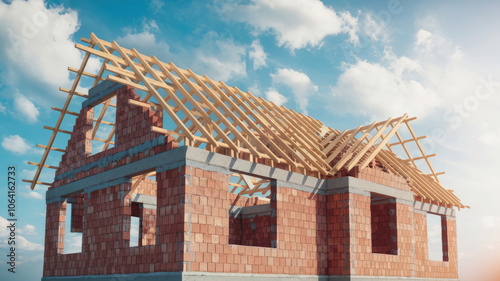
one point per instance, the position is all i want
(343, 62)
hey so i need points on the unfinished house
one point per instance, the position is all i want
(222, 184)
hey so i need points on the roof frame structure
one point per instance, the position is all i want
(214, 115)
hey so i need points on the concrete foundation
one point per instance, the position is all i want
(207, 276)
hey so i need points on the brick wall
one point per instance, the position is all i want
(309, 234)
(134, 140)
(315, 234)
(435, 269)
(383, 228)
(251, 231)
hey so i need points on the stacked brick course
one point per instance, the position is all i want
(190, 228)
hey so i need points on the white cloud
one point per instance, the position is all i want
(23, 243)
(72, 242)
(382, 90)
(2, 108)
(218, 57)
(424, 40)
(257, 55)
(299, 83)
(429, 80)
(156, 5)
(33, 194)
(144, 41)
(490, 222)
(37, 46)
(28, 229)
(25, 109)
(275, 97)
(296, 24)
(27, 174)
(254, 90)
(17, 145)
(373, 28)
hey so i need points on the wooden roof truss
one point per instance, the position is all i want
(212, 115)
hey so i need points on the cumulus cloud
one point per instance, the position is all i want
(24, 244)
(28, 229)
(254, 90)
(17, 145)
(373, 28)
(2, 108)
(417, 84)
(37, 46)
(257, 55)
(218, 57)
(33, 194)
(144, 41)
(299, 83)
(296, 24)
(275, 97)
(72, 242)
(25, 109)
(424, 40)
(383, 90)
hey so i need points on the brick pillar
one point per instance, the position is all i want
(206, 220)
(384, 231)
(170, 222)
(54, 229)
(450, 251)
(147, 227)
(338, 233)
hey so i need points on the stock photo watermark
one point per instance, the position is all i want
(31, 26)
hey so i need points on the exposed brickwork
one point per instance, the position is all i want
(376, 172)
(77, 209)
(383, 227)
(315, 234)
(338, 207)
(435, 269)
(242, 201)
(254, 231)
(147, 223)
(131, 133)
(191, 229)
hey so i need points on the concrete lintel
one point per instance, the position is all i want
(434, 209)
(144, 199)
(383, 278)
(352, 184)
(207, 276)
(55, 199)
(176, 157)
(250, 211)
(203, 159)
(210, 159)
(101, 92)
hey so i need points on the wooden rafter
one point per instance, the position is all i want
(210, 114)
